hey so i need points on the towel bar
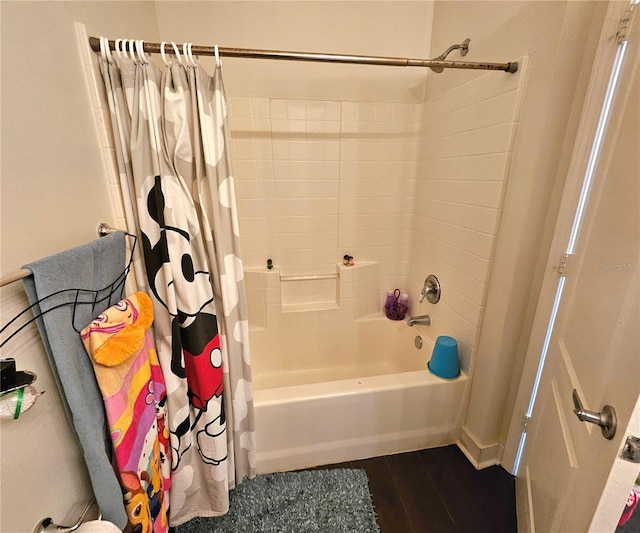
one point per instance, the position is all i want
(103, 229)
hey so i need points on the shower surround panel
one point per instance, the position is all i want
(408, 190)
(320, 179)
(417, 188)
(469, 126)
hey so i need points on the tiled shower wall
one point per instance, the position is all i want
(469, 127)
(417, 188)
(316, 180)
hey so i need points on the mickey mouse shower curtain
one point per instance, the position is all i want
(172, 147)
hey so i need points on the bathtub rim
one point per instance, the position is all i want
(352, 386)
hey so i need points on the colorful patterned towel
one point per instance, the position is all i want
(127, 370)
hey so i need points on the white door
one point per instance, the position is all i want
(588, 323)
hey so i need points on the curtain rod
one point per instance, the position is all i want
(154, 48)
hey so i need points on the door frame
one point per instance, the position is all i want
(598, 83)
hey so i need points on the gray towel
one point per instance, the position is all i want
(92, 267)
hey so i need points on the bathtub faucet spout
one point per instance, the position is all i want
(424, 320)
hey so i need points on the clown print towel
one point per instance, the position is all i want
(126, 365)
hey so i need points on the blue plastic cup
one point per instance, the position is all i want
(444, 359)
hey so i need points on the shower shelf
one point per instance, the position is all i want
(309, 277)
(309, 306)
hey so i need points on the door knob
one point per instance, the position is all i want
(606, 418)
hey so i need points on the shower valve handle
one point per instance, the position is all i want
(431, 290)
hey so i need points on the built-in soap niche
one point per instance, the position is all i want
(352, 291)
(309, 289)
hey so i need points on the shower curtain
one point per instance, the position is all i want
(172, 148)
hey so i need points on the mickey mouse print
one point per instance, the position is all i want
(179, 278)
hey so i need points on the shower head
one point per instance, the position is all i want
(463, 47)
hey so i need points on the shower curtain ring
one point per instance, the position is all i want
(176, 51)
(118, 48)
(132, 50)
(145, 57)
(107, 51)
(192, 61)
(102, 51)
(185, 53)
(162, 53)
(140, 52)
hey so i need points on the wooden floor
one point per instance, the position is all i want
(438, 490)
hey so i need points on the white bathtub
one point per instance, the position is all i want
(334, 392)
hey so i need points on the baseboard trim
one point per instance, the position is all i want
(479, 456)
(283, 460)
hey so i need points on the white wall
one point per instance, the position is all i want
(382, 28)
(54, 194)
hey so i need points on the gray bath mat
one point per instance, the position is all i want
(327, 501)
